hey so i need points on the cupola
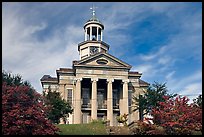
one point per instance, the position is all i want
(93, 37)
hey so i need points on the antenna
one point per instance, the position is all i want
(93, 8)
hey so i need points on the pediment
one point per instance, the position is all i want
(102, 60)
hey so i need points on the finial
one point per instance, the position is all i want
(93, 10)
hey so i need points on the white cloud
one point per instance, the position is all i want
(193, 88)
(164, 60)
(147, 57)
(143, 68)
(196, 76)
(182, 85)
(192, 91)
(183, 46)
(23, 53)
(147, 70)
(169, 75)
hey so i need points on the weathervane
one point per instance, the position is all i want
(93, 8)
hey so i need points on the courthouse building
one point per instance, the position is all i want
(99, 85)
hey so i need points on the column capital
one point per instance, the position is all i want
(94, 79)
(126, 80)
(78, 79)
(110, 80)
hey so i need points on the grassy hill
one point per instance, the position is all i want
(94, 128)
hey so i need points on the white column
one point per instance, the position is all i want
(85, 36)
(101, 35)
(110, 101)
(100, 44)
(125, 97)
(77, 109)
(90, 33)
(94, 99)
(97, 34)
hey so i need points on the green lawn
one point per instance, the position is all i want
(96, 128)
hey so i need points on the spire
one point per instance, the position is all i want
(93, 8)
(93, 18)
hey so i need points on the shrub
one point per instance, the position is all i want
(177, 116)
(142, 128)
(123, 119)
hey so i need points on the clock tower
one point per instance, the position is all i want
(93, 38)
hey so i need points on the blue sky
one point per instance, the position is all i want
(163, 40)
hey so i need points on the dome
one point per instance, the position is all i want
(93, 20)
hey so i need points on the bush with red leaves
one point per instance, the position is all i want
(177, 116)
(142, 128)
(23, 112)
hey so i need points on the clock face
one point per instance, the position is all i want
(93, 50)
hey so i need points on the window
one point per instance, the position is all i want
(85, 97)
(69, 96)
(102, 61)
(115, 99)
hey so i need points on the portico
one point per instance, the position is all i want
(100, 95)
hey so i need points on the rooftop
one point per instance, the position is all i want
(143, 83)
(48, 78)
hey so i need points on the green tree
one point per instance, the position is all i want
(155, 92)
(14, 79)
(198, 101)
(59, 108)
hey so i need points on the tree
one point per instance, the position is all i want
(177, 116)
(141, 103)
(14, 80)
(58, 108)
(23, 112)
(151, 98)
(198, 101)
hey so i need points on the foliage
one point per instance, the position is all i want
(23, 112)
(141, 102)
(151, 98)
(123, 119)
(142, 128)
(98, 121)
(198, 101)
(177, 116)
(14, 80)
(95, 128)
(58, 108)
